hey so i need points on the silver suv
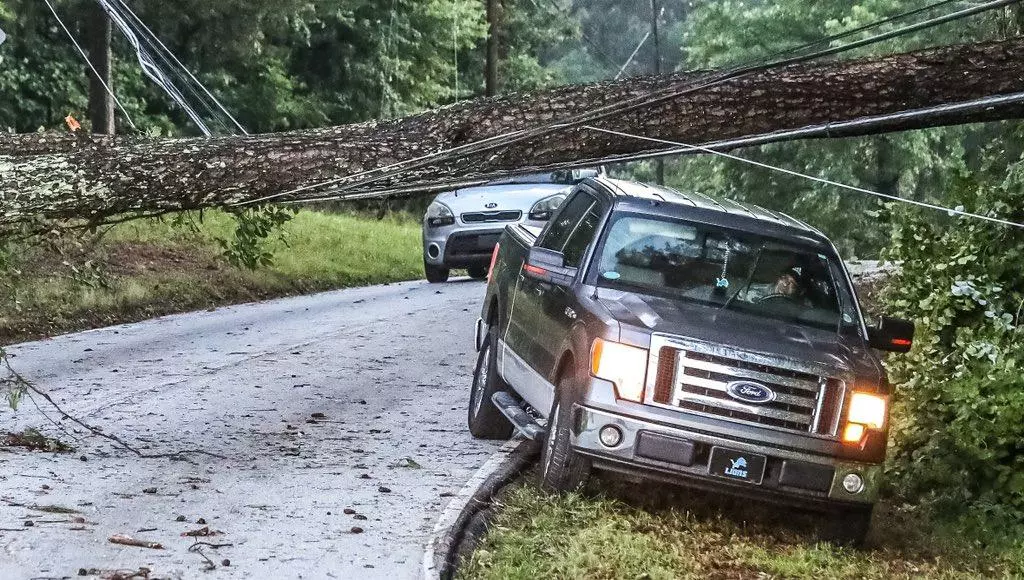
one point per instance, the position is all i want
(461, 227)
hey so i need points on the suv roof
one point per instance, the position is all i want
(746, 211)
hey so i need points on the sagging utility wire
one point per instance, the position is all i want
(822, 180)
(166, 52)
(626, 105)
(81, 51)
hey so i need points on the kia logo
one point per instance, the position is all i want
(491, 205)
(750, 392)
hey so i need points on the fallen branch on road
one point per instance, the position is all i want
(130, 541)
(25, 385)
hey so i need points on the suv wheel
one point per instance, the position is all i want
(485, 420)
(477, 272)
(562, 468)
(435, 274)
(848, 527)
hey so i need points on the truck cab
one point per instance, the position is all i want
(690, 339)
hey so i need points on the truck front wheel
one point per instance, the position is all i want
(562, 468)
(848, 527)
(485, 420)
(435, 274)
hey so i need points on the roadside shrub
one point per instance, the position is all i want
(959, 446)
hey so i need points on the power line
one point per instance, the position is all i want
(808, 177)
(209, 94)
(91, 67)
(626, 105)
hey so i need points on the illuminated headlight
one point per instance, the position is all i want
(624, 365)
(867, 411)
(853, 483)
(438, 215)
(543, 209)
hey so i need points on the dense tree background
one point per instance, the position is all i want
(288, 64)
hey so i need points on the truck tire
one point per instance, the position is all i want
(435, 274)
(562, 469)
(477, 272)
(485, 420)
(848, 527)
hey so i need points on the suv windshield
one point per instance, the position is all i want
(725, 268)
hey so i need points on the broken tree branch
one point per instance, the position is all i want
(23, 383)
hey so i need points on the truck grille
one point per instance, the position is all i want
(482, 217)
(698, 381)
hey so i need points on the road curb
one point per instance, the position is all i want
(460, 524)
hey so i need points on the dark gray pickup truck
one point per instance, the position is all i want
(694, 340)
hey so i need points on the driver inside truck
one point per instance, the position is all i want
(787, 285)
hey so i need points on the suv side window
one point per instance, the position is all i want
(584, 233)
(564, 223)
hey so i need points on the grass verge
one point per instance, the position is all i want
(648, 532)
(150, 268)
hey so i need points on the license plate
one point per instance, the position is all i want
(485, 242)
(737, 465)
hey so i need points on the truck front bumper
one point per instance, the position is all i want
(655, 450)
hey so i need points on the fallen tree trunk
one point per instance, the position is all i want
(93, 178)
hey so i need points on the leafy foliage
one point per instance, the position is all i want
(963, 385)
(253, 226)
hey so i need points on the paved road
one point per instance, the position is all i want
(387, 366)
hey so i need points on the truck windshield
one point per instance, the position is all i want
(727, 269)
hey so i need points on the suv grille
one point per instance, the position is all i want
(698, 381)
(482, 217)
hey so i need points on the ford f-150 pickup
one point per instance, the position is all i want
(679, 337)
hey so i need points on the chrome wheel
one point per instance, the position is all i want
(549, 445)
(482, 371)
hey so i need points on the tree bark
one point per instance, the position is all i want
(98, 38)
(93, 178)
(491, 66)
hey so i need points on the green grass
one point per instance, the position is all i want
(536, 535)
(150, 267)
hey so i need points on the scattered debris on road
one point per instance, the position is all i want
(130, 541)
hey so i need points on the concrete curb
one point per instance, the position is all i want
(459, 525)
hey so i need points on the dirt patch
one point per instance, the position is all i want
(34, 441)
(140, 258)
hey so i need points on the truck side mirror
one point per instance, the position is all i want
(892, 335)
(548, 266)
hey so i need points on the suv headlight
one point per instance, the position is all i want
(438, 215)
(624, 365)
(543, 209)
(867, 411)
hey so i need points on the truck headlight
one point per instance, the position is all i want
(543, 209)
(867, 411)
(438, 215)
(623, 365)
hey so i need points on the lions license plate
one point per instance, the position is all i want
(737, 465)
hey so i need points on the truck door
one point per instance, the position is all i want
(538, 318)
(559, 303)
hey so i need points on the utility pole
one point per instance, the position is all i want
(98, 38)
(491, 72)
(656, 66)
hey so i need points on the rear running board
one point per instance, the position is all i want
(511, 408)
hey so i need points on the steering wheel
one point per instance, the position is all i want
(774, 298)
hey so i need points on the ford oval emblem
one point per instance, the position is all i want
(491, 205)
(750, 392)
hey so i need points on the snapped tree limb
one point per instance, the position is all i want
(58, 177)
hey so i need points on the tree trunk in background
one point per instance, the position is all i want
(97, 38)
(96, 177)
(491, 70)
(659, 164)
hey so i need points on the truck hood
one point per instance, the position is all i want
(520, 196)
(837, 355)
